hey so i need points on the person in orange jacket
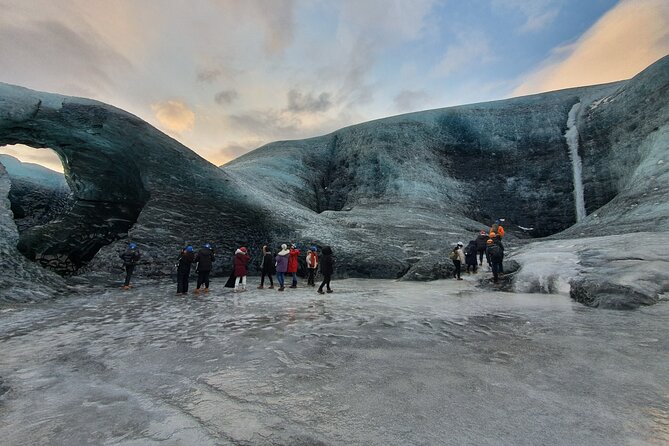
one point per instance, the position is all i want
(497, 229)
(292, 264)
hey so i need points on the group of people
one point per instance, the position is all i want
(286, 262)
(488, 244)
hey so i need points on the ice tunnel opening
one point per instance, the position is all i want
(64, 221)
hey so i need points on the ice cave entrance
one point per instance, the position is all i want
(57, 228)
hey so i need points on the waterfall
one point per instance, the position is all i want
(571, 135)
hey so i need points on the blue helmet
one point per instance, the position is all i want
(207, 245)
(132, 245)
(189, 248)
(313, 248)
(497, 221)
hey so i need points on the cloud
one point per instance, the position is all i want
(538, 14)
(268, 123)
(410, 100)
(628, 38)
(226, 97)
(470, 49)
(31, 49)
(174, 116)
(209, 75)
(299, 102)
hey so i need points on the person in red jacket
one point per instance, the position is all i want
(312, 264)
(240, 261)
(292, 264)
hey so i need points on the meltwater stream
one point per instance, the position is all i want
(571, 135)
(375, 363)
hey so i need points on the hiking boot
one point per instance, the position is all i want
(206, 290)
(320, 292)
(281, 289)
(260, 287)
(196, 291)
(271, 287)
(126, 287)
(293, 286)
(330, 291)
(460, 278)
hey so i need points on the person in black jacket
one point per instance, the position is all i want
(205, 260)
(130, 258)
(266, 268)
(186, 258)
(327, 269)
(470, 256)
(495, 252)
(481, 240)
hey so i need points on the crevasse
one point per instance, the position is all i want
(571, 135)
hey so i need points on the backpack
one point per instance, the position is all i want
(453, 255)
(495, 252)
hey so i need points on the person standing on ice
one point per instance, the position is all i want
(130, 258)
(312, 264)
(185, 261)
(240, 261)
(498, 241)
(497, 229)
(266, 268)
(205, 260)
(470, 256)
(458, 257)
(481, 240)
(327, 269)
(282, 265)
(293, 264)
(496, 255)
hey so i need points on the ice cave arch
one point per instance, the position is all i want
(108, 191)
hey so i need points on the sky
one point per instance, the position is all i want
(227, 76)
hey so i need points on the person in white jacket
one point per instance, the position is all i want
(458, 257)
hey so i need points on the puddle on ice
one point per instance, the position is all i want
(377, 362)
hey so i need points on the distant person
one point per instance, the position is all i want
(312, 264)
(266, 268)
(241, 259)
(282, 265)
(497, 229)
(470, 256)
(205, 261)
(498, 241)
(496, 254)
(327, 269)
(481, 245)
(130, 258)
(293, 264)
(458, 258)
(184, 263)
(492, 236)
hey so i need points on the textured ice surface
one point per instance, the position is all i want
(375, 363)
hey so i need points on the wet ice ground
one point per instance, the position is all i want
(375, 363)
